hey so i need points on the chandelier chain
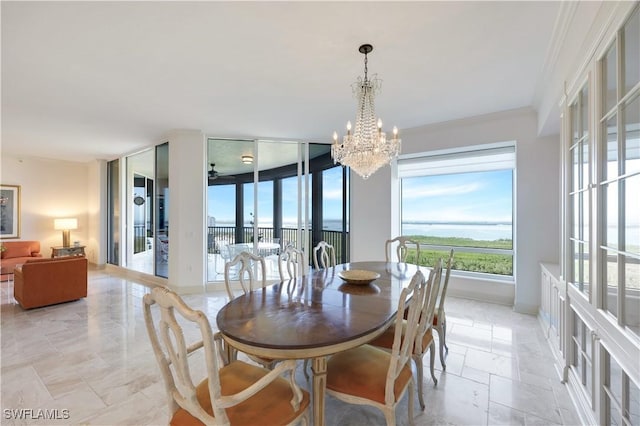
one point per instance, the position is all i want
(366, 60)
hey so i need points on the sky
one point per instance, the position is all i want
(463, 197)
(221, 204)
(466, 197)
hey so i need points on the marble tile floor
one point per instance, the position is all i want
(89, 362)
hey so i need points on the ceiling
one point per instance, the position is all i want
(95, 80)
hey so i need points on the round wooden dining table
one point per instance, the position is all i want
(314, 316)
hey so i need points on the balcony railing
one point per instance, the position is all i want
(287, 236)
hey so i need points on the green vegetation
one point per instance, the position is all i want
(500, 264)
(463, 242)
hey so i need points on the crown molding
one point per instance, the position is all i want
(561, 27)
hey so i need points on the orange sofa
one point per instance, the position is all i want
(15, 253)
(43, 282)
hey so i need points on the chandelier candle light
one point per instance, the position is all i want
(367, 148)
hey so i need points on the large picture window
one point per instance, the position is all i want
(461, 200)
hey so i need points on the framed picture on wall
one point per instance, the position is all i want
(9, 211)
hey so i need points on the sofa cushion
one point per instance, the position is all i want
(17, 250)
(20, 249)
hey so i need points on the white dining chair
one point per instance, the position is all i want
(404, 244)
(250, 271)
(372, 376)
(424, 335)
(291, 263)
(251, 275)
(439, 318)
(232, 392)
(324, 255)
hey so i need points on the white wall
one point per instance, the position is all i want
(187, 184)
(49, 189)
(537, 202)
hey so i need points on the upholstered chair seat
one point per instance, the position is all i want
(385, 340)
(435, 318)
(363, 372)
(270, 406)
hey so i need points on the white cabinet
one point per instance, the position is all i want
(552, 309)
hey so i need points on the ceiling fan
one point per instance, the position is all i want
(214, 175)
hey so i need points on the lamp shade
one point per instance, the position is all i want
(66, 223)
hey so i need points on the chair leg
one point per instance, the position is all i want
(390, 416)
(441, 344)
(304, 369)
(420, 373)
(411, 403)
(432, 359)
(444, 335)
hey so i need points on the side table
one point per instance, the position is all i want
(67, 251)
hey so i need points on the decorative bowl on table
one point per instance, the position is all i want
(358, 276)
(359, 290)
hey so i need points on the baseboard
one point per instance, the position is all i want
(139, 277)
(483, 290)
(525, 308)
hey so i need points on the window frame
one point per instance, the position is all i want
(463, 153)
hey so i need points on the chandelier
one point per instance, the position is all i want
(367, 148)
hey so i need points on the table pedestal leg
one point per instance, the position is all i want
(319, 384)
(231, 354)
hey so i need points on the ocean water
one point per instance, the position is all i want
(476, 231)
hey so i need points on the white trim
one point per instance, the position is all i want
(561, 26)
(472, 160)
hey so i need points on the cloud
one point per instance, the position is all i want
(436, 191)
(333, 194)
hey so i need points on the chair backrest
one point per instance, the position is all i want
(324, 255)
(404, 243)
(248, 278)
(164, 247)
(171, 350)
(444, 285)
(291, 263)
(401, 350)
(223, 248)
(430, 298)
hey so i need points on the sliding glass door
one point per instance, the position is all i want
(138, 222)
(261, 197)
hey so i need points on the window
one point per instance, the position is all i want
(461, 200)
(297, 184)
(113, 220)
(619, 182)
(582, 350)
(601, 252)
(579, 195)
(622, 396)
